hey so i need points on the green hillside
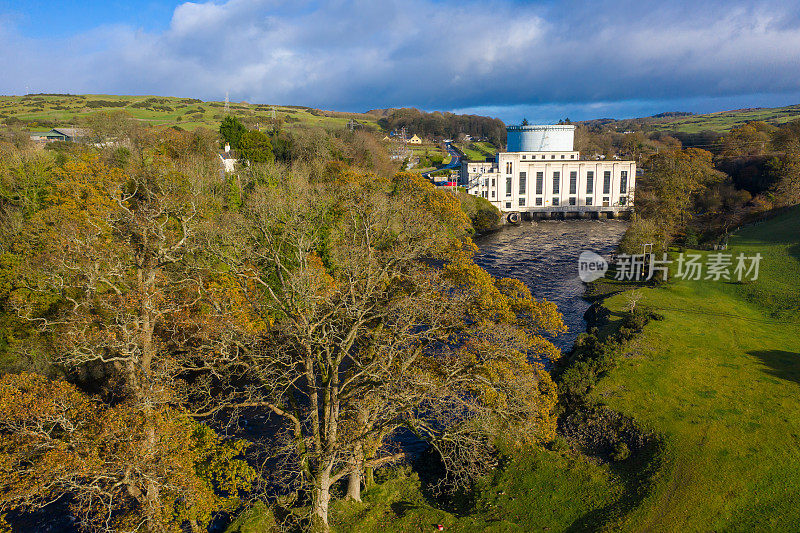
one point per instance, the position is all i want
(719, 378)
(725, 120)
(720, 122)
(42, 112)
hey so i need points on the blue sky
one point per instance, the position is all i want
(511, 59)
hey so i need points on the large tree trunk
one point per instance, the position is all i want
(320, 500)
(354, 481)
(369, 477)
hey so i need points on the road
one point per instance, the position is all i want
(455, 161)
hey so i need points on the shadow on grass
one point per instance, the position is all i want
(780, 363)
(794, 251)
(402, 507)
(639, 475)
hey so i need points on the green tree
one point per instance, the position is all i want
(666, 193)
(231, 130)
(255, 147)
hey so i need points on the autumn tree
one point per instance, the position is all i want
(108, 272)
(55, 440)
(672, 179)
(745, 140)
(364, 331)
(786, 172)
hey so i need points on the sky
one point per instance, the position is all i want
(542, 60)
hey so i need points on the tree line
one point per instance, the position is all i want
(696, 196)
(444, 125)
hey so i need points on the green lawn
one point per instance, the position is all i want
(538, 490)
(720, 379)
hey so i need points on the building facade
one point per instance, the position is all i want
(542, 173)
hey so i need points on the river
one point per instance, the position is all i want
(544, 256)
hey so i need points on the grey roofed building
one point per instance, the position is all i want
(62, 134)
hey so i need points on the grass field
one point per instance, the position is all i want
(720, 379)
(43, 112)
(725, 120)
(477, 151)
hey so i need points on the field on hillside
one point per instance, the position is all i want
(725, 120)
(477, 150)
(42, 112)
(719, 377)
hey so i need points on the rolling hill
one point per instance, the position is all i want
(720, 122)
(44, 111)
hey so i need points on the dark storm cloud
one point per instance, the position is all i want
(361, 54)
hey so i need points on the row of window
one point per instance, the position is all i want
(623, 200)
(552, 156)
(573, 182)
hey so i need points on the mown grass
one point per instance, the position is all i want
(183, 112)
(719, 378)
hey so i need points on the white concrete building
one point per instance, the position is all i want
(541, 173)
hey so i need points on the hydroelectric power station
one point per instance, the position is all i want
(541, 175)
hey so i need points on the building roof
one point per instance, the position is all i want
(71, 132)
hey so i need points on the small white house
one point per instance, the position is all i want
(228, 159)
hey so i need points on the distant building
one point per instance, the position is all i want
(541, 172)
(415, 140)
(228, 159)
(62, 134)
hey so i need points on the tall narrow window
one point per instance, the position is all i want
(539, 182)
(556, 182)
(590, 182)
(508, 186)
(623, 182)
(509, 167)
(607, 182)
(573, 182)
(523, 182)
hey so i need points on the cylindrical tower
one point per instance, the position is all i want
(555, 138)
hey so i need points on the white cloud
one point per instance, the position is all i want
(358, 54)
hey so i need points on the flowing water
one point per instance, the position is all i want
(544, 256)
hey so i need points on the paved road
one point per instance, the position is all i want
(455, 161)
